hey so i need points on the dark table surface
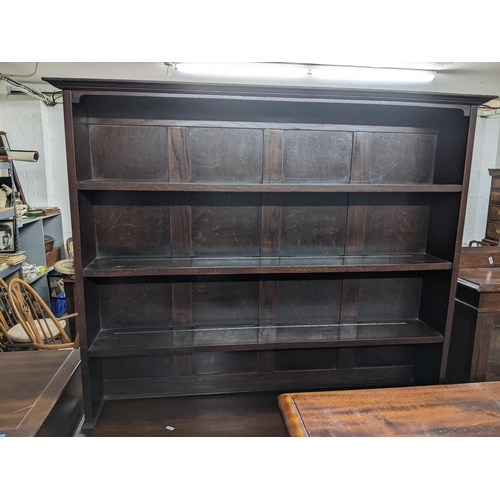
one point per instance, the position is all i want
(32, 385)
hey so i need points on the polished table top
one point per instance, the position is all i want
(480, 268)
(482, 279)
(440, 410)
(31, 384)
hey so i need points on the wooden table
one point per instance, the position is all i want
(40, 393)
(456, 410)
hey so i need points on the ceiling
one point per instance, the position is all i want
(452, 77)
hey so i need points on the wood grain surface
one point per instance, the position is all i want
(479, 257)
(223, 415)
(485, 279)
(458, 410)
(31, 385)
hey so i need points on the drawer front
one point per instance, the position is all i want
(494, 213)
(493, 230)
(495, 182)
(495, 196)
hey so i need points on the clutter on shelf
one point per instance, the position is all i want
(11, 259)
(65, 266)
(32, 271)
(57, 298)
(21, 209)
(42, 211)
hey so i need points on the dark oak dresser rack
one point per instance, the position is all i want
(235, 238)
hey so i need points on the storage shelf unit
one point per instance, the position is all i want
(8, 213)
(32, 232)
(29, 238)
(234, 238)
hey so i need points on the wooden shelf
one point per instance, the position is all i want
(128, 342)
(159, 186)
(117, 267)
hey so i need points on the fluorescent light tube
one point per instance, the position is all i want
(266, 70)
(364, 74)
(284, 70)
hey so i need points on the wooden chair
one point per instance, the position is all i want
(15, 337)
(69, 248)
(44, 330)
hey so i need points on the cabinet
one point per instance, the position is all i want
(7, 219)
(30, 239)
(234, 238)
(492, 236)
(27, 233)
(8, 222)
(32, 234)
(474, 354)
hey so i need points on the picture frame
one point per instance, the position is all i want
(7, 236)
(5, 189)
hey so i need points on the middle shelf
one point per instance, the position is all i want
(123, 266)
(188, 233)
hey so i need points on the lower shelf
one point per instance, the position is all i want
(223, 415)
(127, 342)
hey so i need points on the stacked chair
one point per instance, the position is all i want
(26, 321)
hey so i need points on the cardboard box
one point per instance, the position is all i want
(53, 256)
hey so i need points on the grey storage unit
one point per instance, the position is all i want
(31, 239)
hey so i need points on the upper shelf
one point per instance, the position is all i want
(159, 186)
(255, 156)
(116, 267)
(29, 220)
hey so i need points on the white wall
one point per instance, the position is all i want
(31, 125)
(486, 155)
(55, 159)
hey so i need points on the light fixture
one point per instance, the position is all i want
(372, 74)
(257, 70)
(293, 70)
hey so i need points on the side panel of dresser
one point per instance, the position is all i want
(492, 236)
